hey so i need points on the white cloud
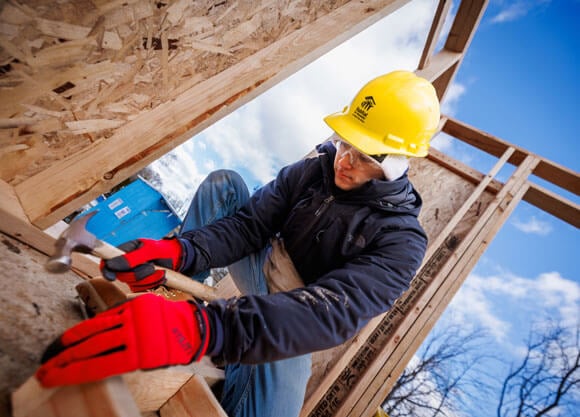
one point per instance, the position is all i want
(533, 226)
(488, 300)
(516, 10)
(512, 12)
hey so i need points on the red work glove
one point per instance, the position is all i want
(136, 268)
(144, 333)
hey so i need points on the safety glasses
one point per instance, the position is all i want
(357, 159)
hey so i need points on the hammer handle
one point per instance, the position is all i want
(174, 279)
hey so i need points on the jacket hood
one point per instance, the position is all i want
(398, 196)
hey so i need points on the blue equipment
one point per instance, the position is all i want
(136, 210)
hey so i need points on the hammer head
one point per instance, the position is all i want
(76, 238)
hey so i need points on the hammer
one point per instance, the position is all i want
(76, 238)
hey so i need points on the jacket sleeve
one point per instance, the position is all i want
(248, 230)
(324, 314)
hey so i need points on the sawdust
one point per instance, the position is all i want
(35, 307)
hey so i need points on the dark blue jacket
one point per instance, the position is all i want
(356, 251)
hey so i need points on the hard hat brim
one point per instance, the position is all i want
(364, 140)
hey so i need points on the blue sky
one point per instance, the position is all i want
(518, 81)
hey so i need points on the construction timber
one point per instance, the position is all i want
(93, 91)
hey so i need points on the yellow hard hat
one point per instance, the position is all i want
(396, 113)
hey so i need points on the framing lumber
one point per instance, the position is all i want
(438, 21)
(460, 35)
(107, 398)
(550, 171)
(109, 139)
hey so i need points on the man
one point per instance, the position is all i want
(336, 237)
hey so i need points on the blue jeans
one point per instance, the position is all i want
(274, 389)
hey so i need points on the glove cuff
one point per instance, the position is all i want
(187, 254)
(201, 318)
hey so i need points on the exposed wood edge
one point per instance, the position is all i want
(54, 193)
(466, 21)
(441, 14)
(554, 204)
(460, 35)
(439, 64)
(106, 398)
(194, 399)
(14, 222)
(546, 169)
(152, 389)
(318, 394)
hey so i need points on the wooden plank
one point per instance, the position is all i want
(70, 183)
(554, 204)
(107, 398)
(194, 399)
(460, 35)
(151, 389)
(546, 169)
(14, 222)
(441, 14)
(439, 64)
(466, 20)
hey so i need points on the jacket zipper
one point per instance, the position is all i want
(325, 203)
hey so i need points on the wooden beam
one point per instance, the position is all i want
(554, 204)
(194, 399)
(13, 222)
(68, 184)
(546, 169)
(441, 14)
(107, 398)
(466, 21)
(460, 35)
(439, 64)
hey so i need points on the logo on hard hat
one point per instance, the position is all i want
(363, 108)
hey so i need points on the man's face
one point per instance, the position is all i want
(353, 169)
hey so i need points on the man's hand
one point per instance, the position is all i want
(144, 333)
(136, 267)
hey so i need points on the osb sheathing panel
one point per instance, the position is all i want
(443, 193)
(74, 71)
(93, 91)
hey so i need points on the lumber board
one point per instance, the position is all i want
(441, 14)
(107, 398)
(194, 399)
(14, 222)
(554, 204)
(550, 171)
(463, 28)
(152, 389)
(403, 352)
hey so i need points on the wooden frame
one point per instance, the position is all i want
(354, 378)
